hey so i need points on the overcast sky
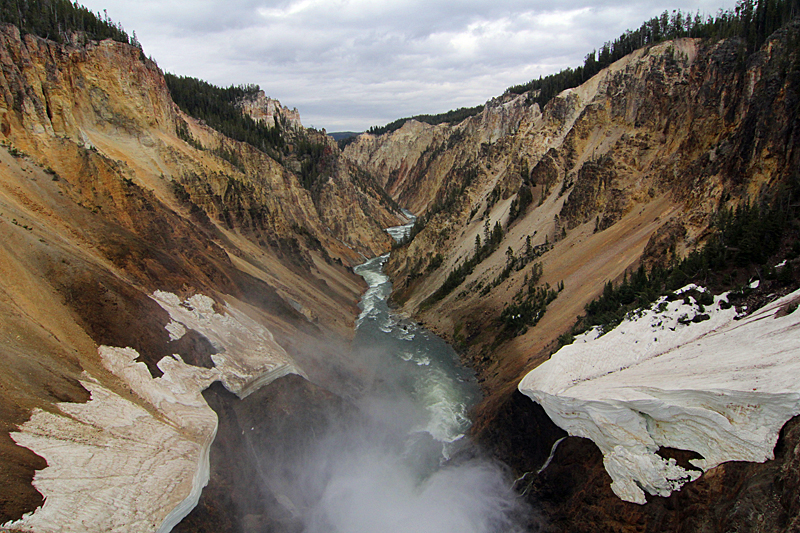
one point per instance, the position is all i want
(352, 64)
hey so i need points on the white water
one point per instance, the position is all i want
(408, 467)
(399, 233)
(422, 366)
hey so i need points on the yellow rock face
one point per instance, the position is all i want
(626, 168)
(102, 204)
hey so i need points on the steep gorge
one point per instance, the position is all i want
(102, 204)
(127, 225)
(627, 169)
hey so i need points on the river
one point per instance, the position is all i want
(387, 452)
(410, 468)
(413, 364)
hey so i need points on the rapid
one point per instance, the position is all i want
(407, 465)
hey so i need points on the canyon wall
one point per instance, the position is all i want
(627, 169)
(126, 253)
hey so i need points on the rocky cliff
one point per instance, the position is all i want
(637, 158)
(265, 109)
(133, 238)
(529, 212)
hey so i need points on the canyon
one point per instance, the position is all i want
(628, 170)
(149, 275)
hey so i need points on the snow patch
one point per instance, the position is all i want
(690, 287)
(139, 461)
(248, 356)
(176, 330)
(676, 375)
(123, 464)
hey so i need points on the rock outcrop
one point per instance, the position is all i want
(415, 163)
(270, 111)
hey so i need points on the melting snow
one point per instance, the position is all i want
(722, 387)
(176, 330)
(248, 355)
(116, 464)
(139, 463)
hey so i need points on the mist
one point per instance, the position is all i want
(369, 473)
(369, 488)
(390, 453)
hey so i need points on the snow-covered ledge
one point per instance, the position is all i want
(720, 387)
(138, 460)
(248, 356)
(120, 463)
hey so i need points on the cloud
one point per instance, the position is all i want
(350, 64)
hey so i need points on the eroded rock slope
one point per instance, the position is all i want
(120, 242)
(529, 212)
(628, 167)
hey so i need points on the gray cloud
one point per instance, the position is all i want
(350, 64)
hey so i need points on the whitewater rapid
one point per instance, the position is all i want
(405, 464)
(399, 233)
(422, 365)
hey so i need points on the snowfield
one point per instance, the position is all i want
(137, 458)
(722, 387)
(248, 357)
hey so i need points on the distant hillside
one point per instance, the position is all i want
(752, 21)
(450, 117)
(341, 135)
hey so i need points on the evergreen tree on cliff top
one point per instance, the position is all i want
(56, 19)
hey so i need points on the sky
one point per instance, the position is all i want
(347, 65)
